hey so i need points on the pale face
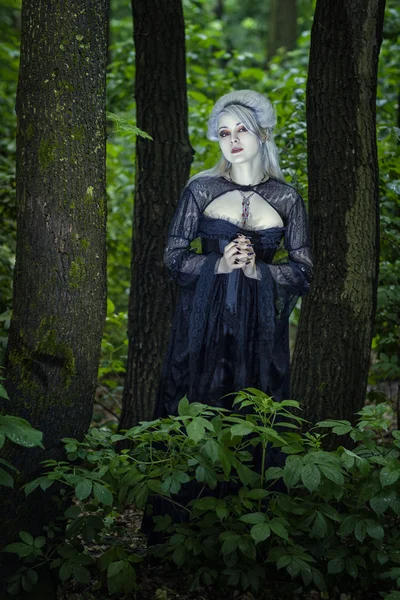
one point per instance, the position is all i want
(238, 145)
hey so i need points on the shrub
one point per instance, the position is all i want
(321, 519)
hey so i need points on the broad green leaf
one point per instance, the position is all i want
(260, 532)
(319, 527)
(375, 529)
(115, 567)
(196, 430)
(26, 537)
(20, 431)
(332, 474)
(360, 531)
(351, 567)
(80, 573)
(179, 555)
(211, 448)
(5, 479)
(253, 518)
(83, 489)
(381, 501)
(102, 494)
(389, 475)
(336, 565)
(18, 548)
(311, 477)
(278, 528)
(65, 571)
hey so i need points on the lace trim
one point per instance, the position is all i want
(238, 225)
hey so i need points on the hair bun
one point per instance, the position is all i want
(264, 111)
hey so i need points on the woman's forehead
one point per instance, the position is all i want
(225, 120)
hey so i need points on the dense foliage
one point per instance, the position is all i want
(325, 520)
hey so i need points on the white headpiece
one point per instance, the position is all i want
(262, 107)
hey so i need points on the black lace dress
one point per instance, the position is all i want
(229, 331)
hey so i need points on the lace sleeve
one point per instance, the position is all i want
(184, 264)
(295, 275)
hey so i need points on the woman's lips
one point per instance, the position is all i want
(236, 150)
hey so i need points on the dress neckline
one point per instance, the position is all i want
(237, 225)
(241, 186)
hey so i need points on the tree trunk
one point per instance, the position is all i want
(331, 358)
(282, 26)
(162, 170)
(59, 302)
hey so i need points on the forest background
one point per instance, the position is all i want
(229, 45)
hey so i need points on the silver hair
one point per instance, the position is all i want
(258, 115)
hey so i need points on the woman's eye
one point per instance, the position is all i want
(223, 133)
(242, 128)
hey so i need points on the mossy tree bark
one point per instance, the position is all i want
(162, 169)
(59, 302)
(282, 26)
(331, 358)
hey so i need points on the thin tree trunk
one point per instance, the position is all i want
(282, 26)
(331, 358)
(59, 301)
(162, 170)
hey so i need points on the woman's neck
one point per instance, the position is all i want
(248, 173)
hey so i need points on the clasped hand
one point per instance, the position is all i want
(239, 254)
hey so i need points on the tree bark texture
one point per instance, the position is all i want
(282, 26)
(162, 169)
(59, 301)
(331, 358)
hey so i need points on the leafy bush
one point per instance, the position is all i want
(323, 519)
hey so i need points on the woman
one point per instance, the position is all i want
(230, 329)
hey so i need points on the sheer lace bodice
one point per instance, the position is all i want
(193, 212)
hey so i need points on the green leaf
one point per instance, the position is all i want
(311, 477)
(231, 541)
(351, 567)
(381, 501)
(115, 567)
(241, 429)
(375, 529)
(5, 479)
(348, 525)
(80, 573)
(291, 475)
(319, 527)
(332, 474)
(18, 548)
(257, 494)
(83, 489)
(382, 557)
(20, 432)
(207, 503)
(102, 494)
(360, 531)
(65, 571)
(211, 448)
(283, 561)
(26, 537)
(336, 565)
(253, 518)
(179, 555)
(196, 430)
(278, 528)
(389, 475)
(260, 532)
(39, 541)
(330, 512)
(183, 407)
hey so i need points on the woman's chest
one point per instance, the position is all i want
(230, 206)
